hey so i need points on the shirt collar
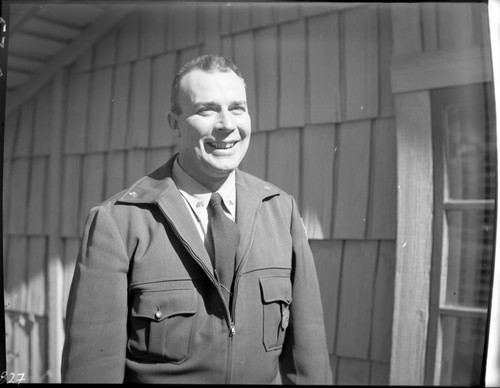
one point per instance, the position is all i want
(198, 196)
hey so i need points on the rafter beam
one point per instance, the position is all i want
(88, 37)
(20, 16)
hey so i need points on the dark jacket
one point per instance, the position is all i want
(144, 305)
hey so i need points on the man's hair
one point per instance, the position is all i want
(209, 63)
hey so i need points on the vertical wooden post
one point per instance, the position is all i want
(414, 238)
(55, 266)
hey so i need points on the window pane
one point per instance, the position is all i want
(464, 141)
(470, 255)
(470, 153)
(463, 346)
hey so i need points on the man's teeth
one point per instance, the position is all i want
(222, 145)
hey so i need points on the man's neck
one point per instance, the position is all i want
(212, 183)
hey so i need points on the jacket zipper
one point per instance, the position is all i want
(230, 354)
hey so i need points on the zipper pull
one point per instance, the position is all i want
(232, 330)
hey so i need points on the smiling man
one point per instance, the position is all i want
(198, 273)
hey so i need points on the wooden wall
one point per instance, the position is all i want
(323, 129)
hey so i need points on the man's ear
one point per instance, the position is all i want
(173, 122)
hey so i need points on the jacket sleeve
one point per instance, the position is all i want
(304, 359)
(96, 317)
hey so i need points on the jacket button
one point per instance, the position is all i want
(285, 318)
(158, 314)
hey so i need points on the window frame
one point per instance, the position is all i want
(438, 307)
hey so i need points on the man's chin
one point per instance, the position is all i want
(224, 164)
(224, 171)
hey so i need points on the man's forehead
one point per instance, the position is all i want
(198, 84)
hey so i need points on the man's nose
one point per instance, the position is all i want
(226, 121)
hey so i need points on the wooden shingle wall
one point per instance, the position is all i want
(323, 129)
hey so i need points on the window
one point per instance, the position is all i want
(463, 232)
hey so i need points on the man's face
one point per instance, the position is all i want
(214, 126)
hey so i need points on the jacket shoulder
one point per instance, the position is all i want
(253, 182)
(116, 198)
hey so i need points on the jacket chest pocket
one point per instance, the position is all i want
(162, 324)
(276, 298)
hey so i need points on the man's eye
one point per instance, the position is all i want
(206, 110)
(238, 109)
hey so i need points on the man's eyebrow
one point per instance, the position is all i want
(242, 102)
(203, 104)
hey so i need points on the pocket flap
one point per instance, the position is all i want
(158, 305)
(275, 289)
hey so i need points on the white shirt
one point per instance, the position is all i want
(196, 197)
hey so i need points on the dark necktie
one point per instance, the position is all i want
(226, 236)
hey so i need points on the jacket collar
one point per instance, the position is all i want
(159, 184)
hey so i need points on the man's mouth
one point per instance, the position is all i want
(221, 145)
